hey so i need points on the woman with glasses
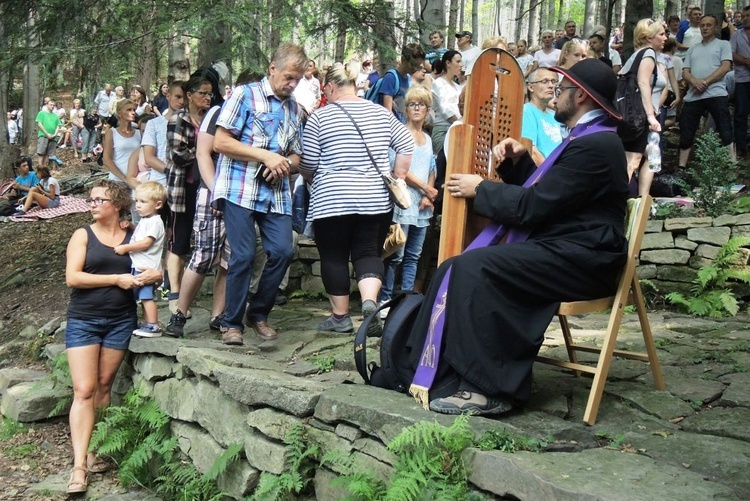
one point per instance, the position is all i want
(183, 178)
(648, 39)
(415, 220)
(345, 150)
(445, 92)
(101, 317)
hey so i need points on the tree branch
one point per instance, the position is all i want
(531, 7)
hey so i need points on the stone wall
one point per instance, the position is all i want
(674, 250)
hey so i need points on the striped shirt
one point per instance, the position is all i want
(256, 117)
(345, 181)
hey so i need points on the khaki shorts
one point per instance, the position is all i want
(46, 146)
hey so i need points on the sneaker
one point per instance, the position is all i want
(173, 308)
(375, 328)
(466, 402)
(176, 325)
(331, 324)
(20, 212)
(148, 330)
(215, 323)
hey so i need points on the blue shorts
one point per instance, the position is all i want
(53, 203)
(113, 333)
(143, 293)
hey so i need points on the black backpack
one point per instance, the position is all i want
(628, 102)
(395, 371)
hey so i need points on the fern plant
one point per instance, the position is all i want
(61, 375)
(182, 480)
(712, 293)
(714, 174)
(301, 459)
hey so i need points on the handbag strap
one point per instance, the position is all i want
(359, 131)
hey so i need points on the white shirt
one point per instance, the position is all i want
(153, 227)
(307, 93)
(469, 57)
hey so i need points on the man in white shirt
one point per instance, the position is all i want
(307, 92)
(469, 52)
(741, 55)
(692, 35)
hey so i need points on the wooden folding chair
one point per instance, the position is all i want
(628, 292)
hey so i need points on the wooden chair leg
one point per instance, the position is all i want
(602, 366)
(648, 336)
(568, 337)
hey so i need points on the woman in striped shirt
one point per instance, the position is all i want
(349, 204)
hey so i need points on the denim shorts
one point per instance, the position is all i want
(113, 333)
(145, 292)
(53, 203)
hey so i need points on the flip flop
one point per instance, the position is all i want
(98, 466)
(83, 486)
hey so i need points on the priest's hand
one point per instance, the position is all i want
(508, 148)
(463, 185)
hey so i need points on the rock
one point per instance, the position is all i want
(219, 415)
(169, 346)
(324, 488)
(375, 449)
(691, 325)
(666, 287)
(686, 387)
(707, 251)
(661, 404)
(155, 367)
(676, 273)
(50, 327)
(176, 397)
(309, 253)
(654, 226)
(11, 376)
(646, 271)
(670, 256)
(35, 401)
(350, 433)
(727, 220)
(258, 387)
(722, 422)
(741, 231)
(663, 240)
(203, 361)
(238, 480)
(52, 350)
(299, 269)
(28, 332)
(714, 236)
(698, 262)
(597, 474)
(684, 223)
(738, 393)
(313, 284)
(264, 454)
(681, 242)
(272, 423)
(301, 368)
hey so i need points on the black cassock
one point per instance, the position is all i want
(502, 298)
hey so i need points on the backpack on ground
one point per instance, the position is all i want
(628, 102)
(373, 93)
(6, 208)
(394, 372)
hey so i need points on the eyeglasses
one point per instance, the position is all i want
(560, 88)
(546, 81)
(416, 105)
(203, 93)
(98, 201)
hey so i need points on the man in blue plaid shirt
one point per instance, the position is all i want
(258, 135)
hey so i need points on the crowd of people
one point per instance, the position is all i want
(210, 178)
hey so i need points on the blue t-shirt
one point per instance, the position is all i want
(28, 180)
(542, 128)
(396, 89)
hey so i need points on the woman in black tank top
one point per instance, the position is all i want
(101, 317)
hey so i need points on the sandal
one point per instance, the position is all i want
(82, 486)
(98, 465)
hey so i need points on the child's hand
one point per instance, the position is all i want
(120, 250)
(126, 225)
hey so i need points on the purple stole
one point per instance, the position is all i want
(491, 235)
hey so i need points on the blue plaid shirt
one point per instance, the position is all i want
(256, 117)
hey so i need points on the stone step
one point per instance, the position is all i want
(34, 401)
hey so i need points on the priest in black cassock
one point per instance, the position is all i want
(475, 341)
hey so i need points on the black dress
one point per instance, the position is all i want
(502, 298)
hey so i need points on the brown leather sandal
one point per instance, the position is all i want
(98, 465)
(83, 486)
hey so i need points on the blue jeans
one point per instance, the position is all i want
(88, 140)
(741, 111)
(408, 255)
(276, 235)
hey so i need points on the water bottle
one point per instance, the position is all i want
(654, 152)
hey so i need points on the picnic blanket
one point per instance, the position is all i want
(68, 205)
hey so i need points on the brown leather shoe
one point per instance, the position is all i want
(264, 330)
(232, 336)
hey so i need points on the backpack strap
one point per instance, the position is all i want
(637, 63)
(360, 341)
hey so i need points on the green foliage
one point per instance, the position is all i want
(504, 441)
(712, 295)
(324, 364)
(300, 463)
(61, 375)
(714, 174)
(670, 210)
(137, 436)
(20, 451)
(10, 428)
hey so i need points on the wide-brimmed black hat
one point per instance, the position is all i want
(595, 79)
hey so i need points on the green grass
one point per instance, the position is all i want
(20, 451)
(10, 428)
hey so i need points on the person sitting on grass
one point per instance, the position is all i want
(46, 194)
(24, 181)
(145, 248)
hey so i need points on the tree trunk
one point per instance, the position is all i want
(179, 58)
(589, 14)
(519, 17)
(216, 39)
(144, 63)
(603, 13)
(550, 15)
(475, 21)
(461, 15)
(533, 33)
(636, 10)
(450, 41)
(31, 83)
(559, 22)
(618, 20)
(6, 169)
(385, 36)
(714, 8)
